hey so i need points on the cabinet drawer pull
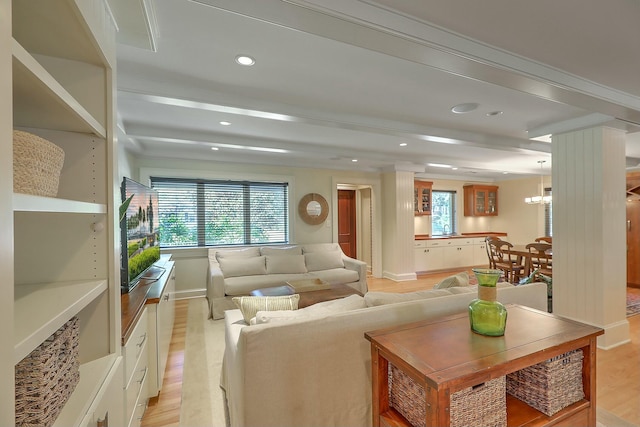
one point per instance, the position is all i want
(166, 297)
(143, 339)
(144, 374)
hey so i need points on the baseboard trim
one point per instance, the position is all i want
(399, 277)
(191, 293)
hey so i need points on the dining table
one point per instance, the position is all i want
(523, 257)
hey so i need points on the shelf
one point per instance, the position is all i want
(92, 375)
(73, 29)
(521, 414)
(41, 309)
(31, 203)
(41, 102)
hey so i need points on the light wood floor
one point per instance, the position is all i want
(618, 371)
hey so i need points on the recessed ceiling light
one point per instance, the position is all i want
(225, 123)
(354, 160)
(494, 113)
(438, 165)
(245, 60)
(464, 108)
(215, 148)
(404, 144)
(454, 169)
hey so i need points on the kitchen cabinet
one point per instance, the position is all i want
(449, 253)
(457, 253)
(480, 200)
(422, 197)
(428, 255)
(480, 256)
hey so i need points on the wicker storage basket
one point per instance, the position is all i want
(481, 405)
(551, 385)
(36, 165)
(47, 376)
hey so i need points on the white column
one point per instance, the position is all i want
(397, 226)
(589, 238)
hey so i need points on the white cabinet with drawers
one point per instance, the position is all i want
(449, 253)
(160, 323)
(457, 253)
(480, 256)
(136, 369)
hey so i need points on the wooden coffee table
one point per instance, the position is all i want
(328, 293)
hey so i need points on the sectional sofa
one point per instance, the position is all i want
(312, 367)
(238, 271)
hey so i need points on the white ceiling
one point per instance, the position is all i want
(337, 80)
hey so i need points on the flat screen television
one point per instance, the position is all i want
(138, 235)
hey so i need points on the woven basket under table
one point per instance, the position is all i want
(37, 164)
(481, 405)
(47, 376)
(551, 385)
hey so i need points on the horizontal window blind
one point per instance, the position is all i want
(198, 212)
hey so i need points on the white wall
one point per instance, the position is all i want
(521, 221)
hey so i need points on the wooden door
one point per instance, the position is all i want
(633, 229)
(347, 222)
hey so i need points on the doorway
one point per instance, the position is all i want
(633, 229)
(347, 232)
(356, 227)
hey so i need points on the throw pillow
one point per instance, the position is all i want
(325, 260)
(249, 306)
(460, 279)
(289, 250)
(326, 308)
(285, 264)
(382, 298)
(530, 278)
(239, 266)
(232, 253)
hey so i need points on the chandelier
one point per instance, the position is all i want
(540, 199)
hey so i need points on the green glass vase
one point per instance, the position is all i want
(487, 315)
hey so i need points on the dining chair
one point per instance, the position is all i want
(544, 239)
(510, 264)
(487, 246)
(540, 257)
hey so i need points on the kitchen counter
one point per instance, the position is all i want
(459, 236)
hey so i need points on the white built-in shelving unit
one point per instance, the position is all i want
(59, 255)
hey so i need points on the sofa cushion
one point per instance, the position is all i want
(460, 279)
(474, 289)
(326, 308)
(320, 247)
(251, 305)
(233, 253)
(285, 264)
(383, 298)
(240, 266)
(281, 250)
(324, 260)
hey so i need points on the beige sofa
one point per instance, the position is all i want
(238, 271)
(313, 368)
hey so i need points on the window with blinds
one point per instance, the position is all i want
(198, 212)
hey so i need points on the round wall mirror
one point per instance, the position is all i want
(313, 209)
